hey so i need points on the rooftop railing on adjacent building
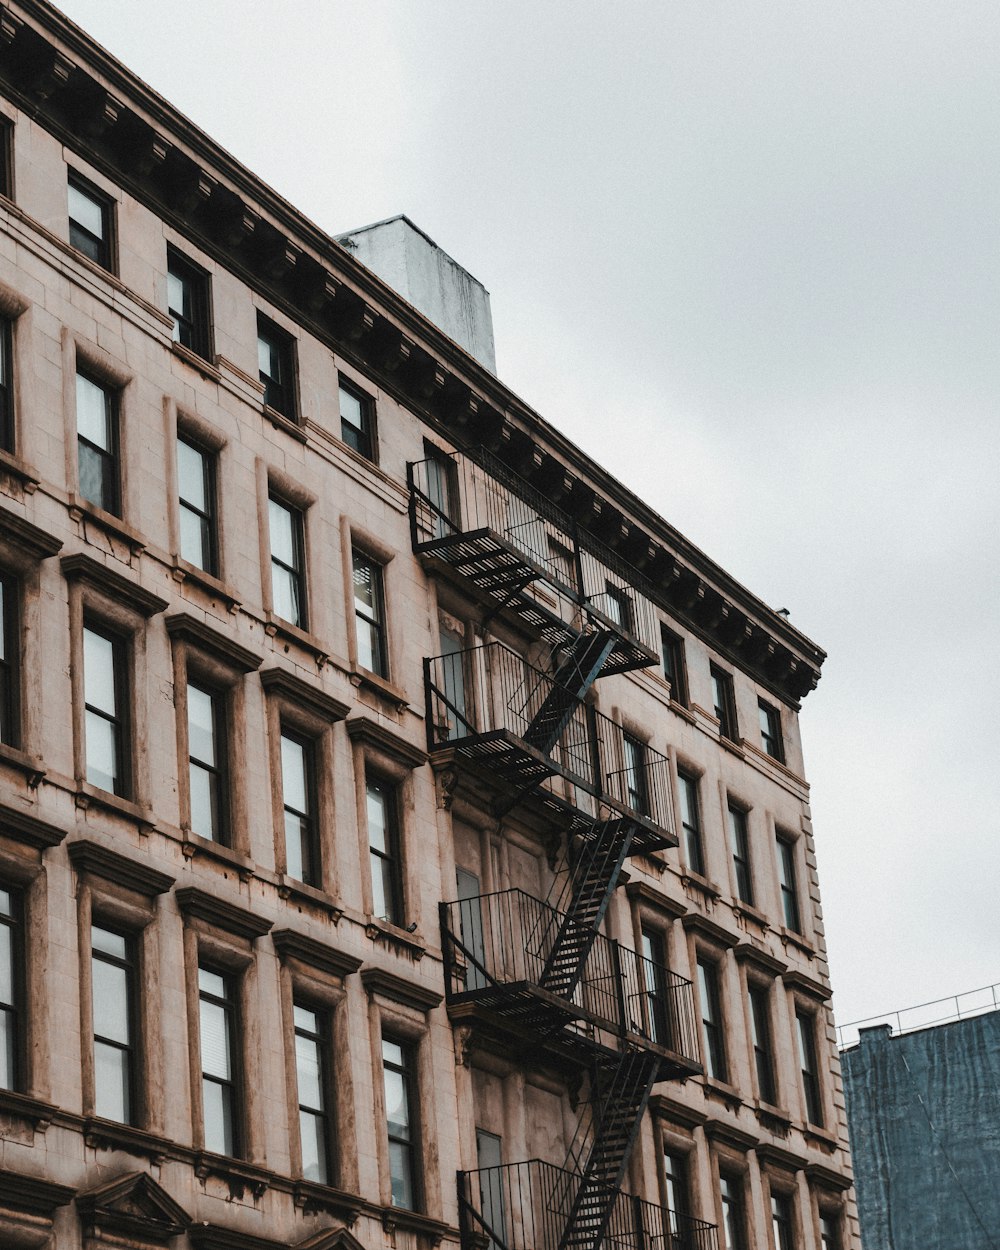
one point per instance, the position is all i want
(507, 941)
(493, 707)
(527, 1206)
(926, 1015)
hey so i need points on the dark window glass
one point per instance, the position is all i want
(691, 821)
(781, 1222)
(805, 1027)
(829, 1232)
(760, 1032)
(654, 978)
(89, 221)
(723, 703)
(733, 1225)
(770, 731)
(493, 1204)
(188, 303)
(383, 844)
(207, 763)
(6, 385)
(369, 615)
(220, 1077)
(11, 989)
(196, 494)
(789, 890)
(452, 713)
(97, 443)
(740, 842)
(673, 665)
(312, 1046)
(113, 971)
(105, 695)
(356, 421)
(298, 791)
(440, 484)
(288, 566)
(10, 666)
(711, 1020)
(276, 360)
(675, 1172)
(636, 779)
(398, 1067)
(6, 158)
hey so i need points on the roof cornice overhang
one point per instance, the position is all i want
(94, 105)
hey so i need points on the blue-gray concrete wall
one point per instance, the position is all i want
(924, 1117)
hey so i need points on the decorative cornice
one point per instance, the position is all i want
(28, 829)
(139, 141)
(768, 1152)
(198, 905)
(676, 1112)
(292, 945)
(748, 953)
(281, 682)
(379, 981)
(187, 628)
(84, 568)
(37, 542)
(827, 1177)
(375, 734)
(135, 1206)
(87, 856)
(32, 1195)
(695, 922)
(653, 898)
(729, 1135)
(795, 979)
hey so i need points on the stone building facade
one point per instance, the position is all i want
(403, 832)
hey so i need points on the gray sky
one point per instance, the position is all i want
(746, 254)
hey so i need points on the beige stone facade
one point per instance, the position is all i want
(217, 983)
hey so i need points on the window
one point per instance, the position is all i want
(723, 703)
(207, 763)
(636, 782)
(789, 889)
(383, 846)
(691, 821)
(6, 159)
(11, 989)
(312, 1046)
(276, 360)
(440, 484)
(357, 425)
(298, 798)
(97, 443)
(89, 221)
(288, 565)
(733, 1224)
(219, 1041)
(400, 1104)
(770, 731)
(654, 973)
(451, 712)
(805, 1027)
(829, 1232)
(105, 695)
(711, 1020)
(6, 385)
(740, 842)
(113, 976)
(188, 303)
(493, 1208)
(781, 1222)
(196, 495)
(760, 1033)
(369, 615)
(675, 1175)
(673, 665)
(618, 607)
(10, 665)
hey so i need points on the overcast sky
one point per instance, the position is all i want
(746, 254)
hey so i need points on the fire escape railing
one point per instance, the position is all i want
(487, 703)
(525, 1206)
(506, 940)
(501, 533)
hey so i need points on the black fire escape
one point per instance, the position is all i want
(541, 973)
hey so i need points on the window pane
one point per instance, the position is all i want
(268, 357)
(296, 846)
(8, 1050)
(195, 539)
(293, 774)
(102, 752)
(216, 1059)
(305, 1019)
(94, 470)
(392, 1052)
(111, 1080)
(204, 803)
(377, 818)
(285, 592)
(108, 942)
(6, 966)
(191, 475)
(99, 672)
(86, 211)
(401, 1170)
(93, 416)
(352, 409)
(217, 1103)
(368, 646)
(307, 1066)
(201, 725)
(383, 888)
(312, 1133)
(396, 1104)
(111, 1002)
(212, 983)
(366, 586)
(282, 523)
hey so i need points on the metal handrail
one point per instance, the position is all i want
(965, 1005)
